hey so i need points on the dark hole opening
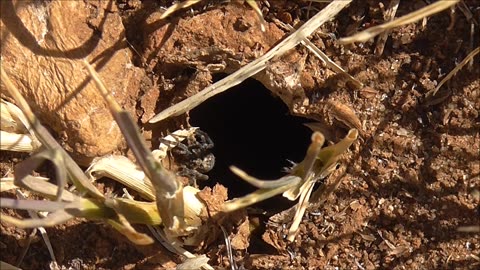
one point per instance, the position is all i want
(254, 131)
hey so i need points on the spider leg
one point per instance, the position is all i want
(192, 175)
(182, 150)
(203, 138)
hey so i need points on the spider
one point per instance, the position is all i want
(194, 157)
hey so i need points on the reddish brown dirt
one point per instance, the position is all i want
(409, 182)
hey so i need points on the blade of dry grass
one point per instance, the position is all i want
(255, 66)
(305, 169)
(473, 22)
(300, 210)
(389, 16)
(318, 163)
(178, 207)
(13, 119)
(48, 190)
(454, 71)
(16, 142)
(42, 230)
(254, 6)
(7, 120)
(25, 248)
(6, 183)
(23, 169)
(174, 246)
(322, 56)
(469, 229)
(324, 164)
(328, 157)
(53, 219)
(258, 196)
(409, 18)
(168, 189)
(228, 246)
(159, 177)
(178, 6)
(122, 170)
(124, 227)
(267, 184)
(115, 211)
(47, 206)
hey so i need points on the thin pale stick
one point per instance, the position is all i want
(389, 16)
(409, 18)
(318, 53)
(178, 6)
(454, 71)
(42, 230)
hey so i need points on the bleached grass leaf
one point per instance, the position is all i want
(168, 189)
(124, 227)
(46, 206)
(43, 232)
(23, 169)
(257, 10)
(268, 184)
(124, 171)
(453, 72)
(300, 209)
(406, 19)
(44, 188)
(258, 196)
(329, 155)
(51, 220)
(6, 183)
(13, 119)
(299, 183)
(178, 6)
(305, 169)
(16, 142)
(322, 56)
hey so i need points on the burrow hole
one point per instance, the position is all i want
(253, 130)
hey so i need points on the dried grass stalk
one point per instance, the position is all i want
(389, 15)
(317, 164)
(318, 53)
(409, 18)
(16, 142)
(124, 171)
(454, 71)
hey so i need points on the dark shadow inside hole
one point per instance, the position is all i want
(254, 131)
